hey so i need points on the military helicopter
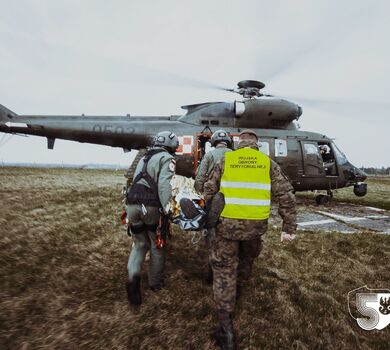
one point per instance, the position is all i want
(312, 161)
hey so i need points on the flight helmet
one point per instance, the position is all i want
(220, 136)
(324, 148)
(167, 140)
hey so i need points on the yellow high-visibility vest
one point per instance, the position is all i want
(246, 185)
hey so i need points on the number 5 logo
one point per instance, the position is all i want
(374, 307)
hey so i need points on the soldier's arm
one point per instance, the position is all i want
(167, 170)
(211, 186)
(202, 173)
(282, 191)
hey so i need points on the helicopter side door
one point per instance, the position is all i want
(312, 161)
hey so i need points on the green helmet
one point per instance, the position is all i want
(167, 140)
(220, 136)
(249, 132)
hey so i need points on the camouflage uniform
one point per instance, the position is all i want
(203, 172)
(238, 242)
(208, 163)
(144, 219)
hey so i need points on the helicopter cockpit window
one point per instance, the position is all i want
(310, 149)
(340, 156)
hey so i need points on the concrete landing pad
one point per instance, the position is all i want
(315, 221)
(338, 217)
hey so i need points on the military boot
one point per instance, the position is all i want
(210, 275)
(238, 291)
(134, 291)
(224, 335)
(157, 287)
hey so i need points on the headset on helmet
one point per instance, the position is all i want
(192, 217)
(220, 136)
(166, 139)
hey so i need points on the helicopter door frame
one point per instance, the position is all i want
(199, 147)
(312, 161)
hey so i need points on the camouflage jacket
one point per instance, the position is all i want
(207, 165)
(282, 191)
(161, 168)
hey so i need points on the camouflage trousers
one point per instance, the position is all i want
(209, 239)
(232, 262)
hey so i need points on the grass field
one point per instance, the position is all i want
(63, 268)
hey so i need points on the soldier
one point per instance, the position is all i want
(246, 178)
(222, 143)
(147, 200)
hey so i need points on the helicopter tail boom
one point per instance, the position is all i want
(9, 121)
(6, 113)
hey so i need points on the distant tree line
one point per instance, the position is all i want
(376, 171)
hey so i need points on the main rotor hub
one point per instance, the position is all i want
(250, 88)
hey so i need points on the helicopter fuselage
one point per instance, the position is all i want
(297, 152)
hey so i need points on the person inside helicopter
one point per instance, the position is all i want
(328, 159)
(204, 145)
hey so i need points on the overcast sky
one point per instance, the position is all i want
(146, 58)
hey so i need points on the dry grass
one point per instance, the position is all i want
(63, 267)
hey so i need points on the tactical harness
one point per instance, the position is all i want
(141, 194)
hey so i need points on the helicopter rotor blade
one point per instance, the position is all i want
(348, 108)
(64, 61)
(181, 80)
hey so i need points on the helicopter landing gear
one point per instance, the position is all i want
(360, 189)
(322, 199)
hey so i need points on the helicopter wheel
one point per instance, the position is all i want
(322, 199)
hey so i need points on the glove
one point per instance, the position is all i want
(167, 211)
(286, 237)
